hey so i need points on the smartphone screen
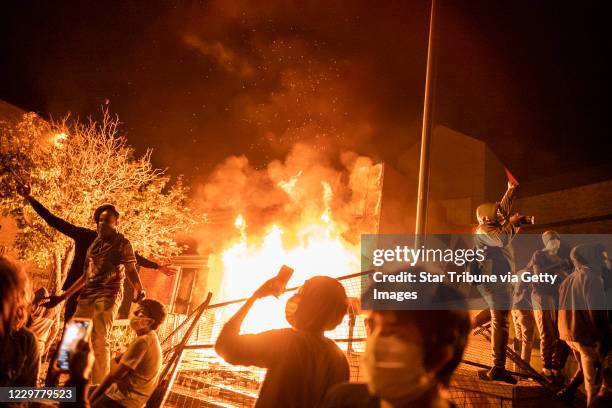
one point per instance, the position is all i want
(284, 274)
(75, 331)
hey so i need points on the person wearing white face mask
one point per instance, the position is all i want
(132, 381)
(302, 363)
(551, 259)
(409, 359)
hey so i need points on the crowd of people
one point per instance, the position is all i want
(129, 382)
(571, 315)
(410, 356)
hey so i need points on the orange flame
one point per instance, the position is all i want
(57, 139)
(319, 250)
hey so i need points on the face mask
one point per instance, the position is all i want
(140, 323)
(394, 368)
(105, 229)
(553, 245)
(290, 308)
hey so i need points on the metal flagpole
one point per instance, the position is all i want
(421, 216)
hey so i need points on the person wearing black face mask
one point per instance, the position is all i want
(83, 238)
(108, 259)
(409, 357)
(302, 363)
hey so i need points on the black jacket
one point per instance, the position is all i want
(83, 238)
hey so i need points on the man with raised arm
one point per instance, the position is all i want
(495, 231)
(83, 238)
(102, 260)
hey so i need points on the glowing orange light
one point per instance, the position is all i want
(319, 249)
(58, 139)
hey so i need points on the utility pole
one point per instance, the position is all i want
(430, 74)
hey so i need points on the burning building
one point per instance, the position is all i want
(306, 213)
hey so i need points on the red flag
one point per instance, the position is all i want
(510, 177)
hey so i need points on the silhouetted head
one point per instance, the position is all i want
(148, 315)
(106, 217)
(487, 213)
(319, 305)
(15, 297)
(589, 256)
(551, 240)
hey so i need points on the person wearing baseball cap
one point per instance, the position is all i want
(83, 239)
(107, 261)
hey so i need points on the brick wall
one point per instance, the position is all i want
(586, 209)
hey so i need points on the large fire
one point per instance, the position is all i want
(304, 212)
(319, 250)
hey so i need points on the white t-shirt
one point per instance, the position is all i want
(144, 357)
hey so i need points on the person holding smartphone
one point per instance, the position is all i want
(302, 363)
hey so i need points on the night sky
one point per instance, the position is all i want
(199, 81)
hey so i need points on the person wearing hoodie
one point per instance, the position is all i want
(495, 231)
(583, 319)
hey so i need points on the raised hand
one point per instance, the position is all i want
(272, 287)
(23, 189)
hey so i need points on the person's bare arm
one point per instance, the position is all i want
(230, 333)
(76, 286)
(132, 275)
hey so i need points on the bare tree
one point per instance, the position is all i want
(73, 167)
